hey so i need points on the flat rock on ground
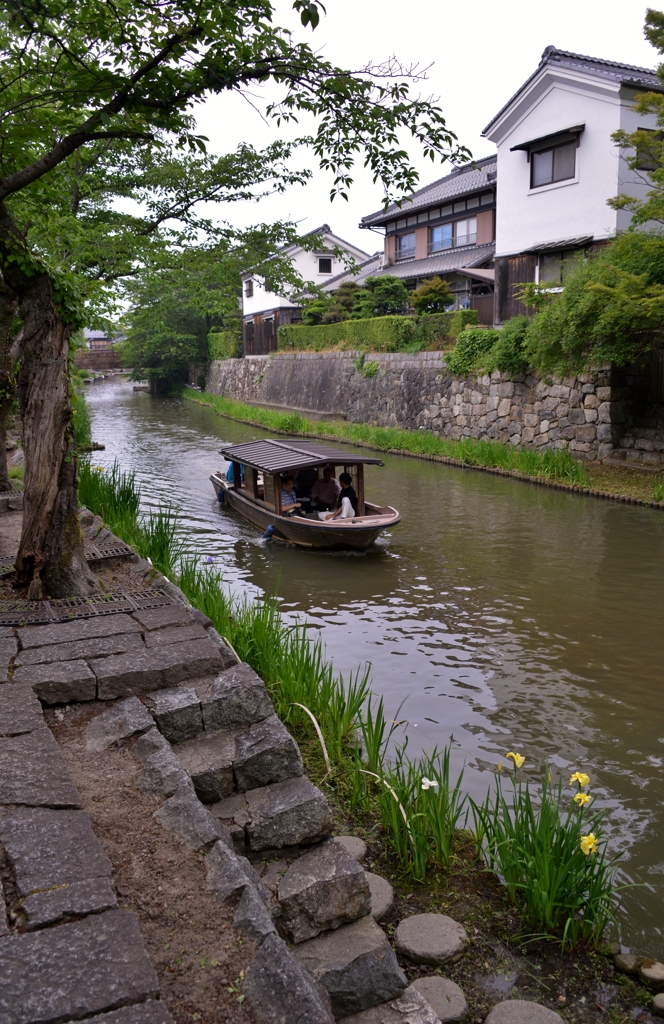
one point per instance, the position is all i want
(444, 997)
(652, 973)
(356, 964)
(382, 896)
(410, 1008)
(280, 991)
(519, 1011)
(322, 889)
(20, 710)
(75, 970)
(356, 847)
(150, 1012)
(658, 1004)
(59, 682)
(83, 629)
(33, 772)
(430, 938)
(236, 699)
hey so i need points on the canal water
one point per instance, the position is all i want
(504, 616)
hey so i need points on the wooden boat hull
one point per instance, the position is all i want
(358, 533)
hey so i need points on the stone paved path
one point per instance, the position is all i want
(66, 951)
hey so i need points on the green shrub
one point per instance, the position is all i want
(379, 334)
(508, 351)
(438, 328)
(434, 296)
(472, 348)
(370, 369)
(224, 345)
(380, 296)
(81, 419)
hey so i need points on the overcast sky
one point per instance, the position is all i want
(481, 53)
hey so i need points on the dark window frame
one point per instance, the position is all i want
(406, 254)
(248, 289)
(328, 261)
(552, 149)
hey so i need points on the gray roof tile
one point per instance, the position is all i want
(460, 181)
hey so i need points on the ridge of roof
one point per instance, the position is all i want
(412, 203)
(602, 67)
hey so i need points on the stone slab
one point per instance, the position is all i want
(123, 675)
(355, 964)
(252, 917)
(162, 774)
(34, 772)
(410, 1008)
(280, 991)
(519, 1011)
(83, 629)
(177, 713)
(94, 647)
(75, 900)
(266, 753)
(356, 847)
(287, 814)
(151, 1012)
(322, 889)
(430, 939)
(227, 874)
(175, 635)
(75, 970)
(149, 743)
(185, 816)
(658, 1005)
(444, 997)
(124, 720)
(47, 847)
(208, 760)
(227, 655)
(20, 710)
(235, 699)
(382, 896)
(167, 615)
(59, 682)
(8, 649)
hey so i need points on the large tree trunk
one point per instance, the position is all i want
(8, 302)
(51, 561)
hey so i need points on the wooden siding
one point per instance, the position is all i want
(511, 273)
(260, 337)
(484, 306)
(486, 226)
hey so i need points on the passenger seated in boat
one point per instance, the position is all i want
(290, 506)
(348, 504)
(304, 481)
(230, 474)
(325, 492)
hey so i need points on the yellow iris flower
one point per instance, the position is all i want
(517, 758)
(581, 799)
(579, 777)
(589, 844)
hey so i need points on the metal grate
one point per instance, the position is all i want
(34, 613)
(93, 555)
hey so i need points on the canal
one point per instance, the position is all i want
(505, 616)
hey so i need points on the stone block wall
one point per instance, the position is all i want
(587, 413)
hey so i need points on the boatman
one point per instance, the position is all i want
(325, 492)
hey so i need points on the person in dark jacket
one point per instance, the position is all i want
(347, 500)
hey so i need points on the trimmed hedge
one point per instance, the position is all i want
(377, 334)
(224, 345)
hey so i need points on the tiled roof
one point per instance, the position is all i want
(622, 74)
(443, 262)
(369, 267)
(462, 180)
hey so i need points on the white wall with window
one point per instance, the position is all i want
(318, 266)
(557, 162)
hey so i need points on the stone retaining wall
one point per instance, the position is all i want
(585, 413)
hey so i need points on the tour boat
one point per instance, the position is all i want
(255, 492)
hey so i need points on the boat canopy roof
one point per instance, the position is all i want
(271, 456)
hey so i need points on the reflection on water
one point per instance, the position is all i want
(508, 616)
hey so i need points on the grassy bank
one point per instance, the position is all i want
(429, 831)
(556, 466)
(549, 465)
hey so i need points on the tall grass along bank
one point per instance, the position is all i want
(558, 465)
(351, 748)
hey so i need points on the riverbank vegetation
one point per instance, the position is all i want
(621, 481)
(526, 462)
(543, 842)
